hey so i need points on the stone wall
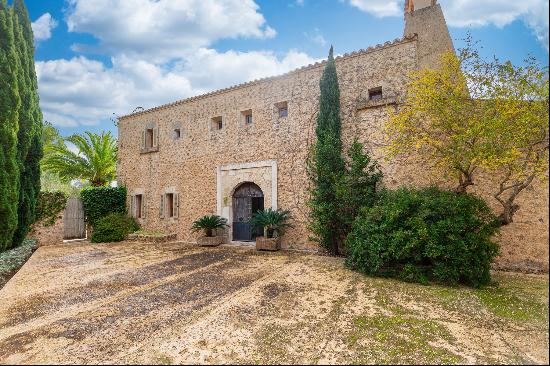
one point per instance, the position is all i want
(48, 235)
(190, 164)
(201, 165)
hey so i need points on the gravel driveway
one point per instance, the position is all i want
(170, 303)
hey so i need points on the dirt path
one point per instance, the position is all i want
(141, 303)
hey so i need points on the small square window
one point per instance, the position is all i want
(177, 133)
(375, 93)
(247, 117)
(282, 109)
(217, 123)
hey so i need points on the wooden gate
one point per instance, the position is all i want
(74, 226)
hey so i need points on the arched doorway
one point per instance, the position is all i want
(248, 198)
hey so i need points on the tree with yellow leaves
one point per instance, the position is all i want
(471, 114)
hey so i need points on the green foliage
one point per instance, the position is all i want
(48, 207)
(358, 187)
(20, 125)
(327, 165)
(10, 103)
(271, 221)
(94, 162)
(13, 259)
(208, 223)
(446, 236)
(100, 201)
(114, 227)
(471, 115)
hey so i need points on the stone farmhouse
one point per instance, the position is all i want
(243, 148)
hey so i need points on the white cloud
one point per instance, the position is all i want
(159, 30)
(475, 13)
(43, 26)
(316, 37)
(379, 8)
(81, 91)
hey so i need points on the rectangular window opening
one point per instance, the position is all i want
(217, 123)
(177, 133)
(138, 206)
(170, 205)
(247, 117)
(375, 93)
(149, 138)
(282, 109)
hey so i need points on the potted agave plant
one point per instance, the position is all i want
(208, 224)
(273, 222)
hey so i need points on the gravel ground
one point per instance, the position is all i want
(171, 303)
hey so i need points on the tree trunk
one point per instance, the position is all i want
(507, 215)
(464, 181)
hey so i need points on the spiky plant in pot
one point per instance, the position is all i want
(208, 224)
(271, 221)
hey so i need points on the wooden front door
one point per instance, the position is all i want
(247, 200)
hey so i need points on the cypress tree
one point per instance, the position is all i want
(29, 145)
(10, 103)
(328, 164)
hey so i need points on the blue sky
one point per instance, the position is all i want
(99, 58)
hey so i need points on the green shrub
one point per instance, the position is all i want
(113, 228)
(421, 234)
(100, 201)
(12, 260)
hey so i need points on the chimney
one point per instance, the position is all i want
(412, 5)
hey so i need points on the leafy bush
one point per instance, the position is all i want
(421, 234)
(100, 201)
(48, 207)
(113, 228)
(271, 221)
(13, 259)
(208, 223)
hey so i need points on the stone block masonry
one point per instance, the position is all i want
(201, 149)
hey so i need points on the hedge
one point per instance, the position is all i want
(100, 201)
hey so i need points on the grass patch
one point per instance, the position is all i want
(149, 234)
(13, 259)
(399, 339)
(524, 301)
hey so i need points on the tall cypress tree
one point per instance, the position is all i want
(10, 103)
(29, 146)
(328, 163)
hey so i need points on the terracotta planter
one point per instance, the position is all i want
(271, 244)
(210, 241)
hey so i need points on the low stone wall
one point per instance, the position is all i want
(48, 235)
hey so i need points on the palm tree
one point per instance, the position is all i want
(209, 223)
(94, 162)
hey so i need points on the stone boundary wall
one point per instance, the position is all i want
(48, 235)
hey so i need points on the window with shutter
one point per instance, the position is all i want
(132, 206)
(155, 137)
(143, 206)
(176, 205)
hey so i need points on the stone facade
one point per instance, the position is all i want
(180, 149)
